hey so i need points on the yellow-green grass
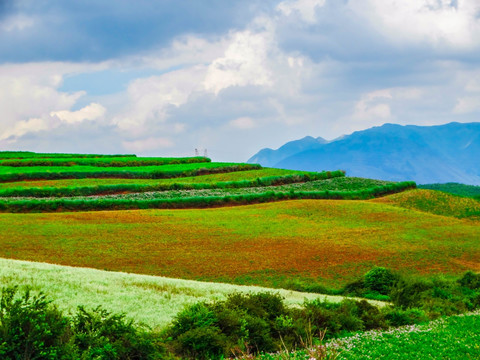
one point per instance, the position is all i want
(202, 179)
(151, 300)
(435, 202)
(323, 241)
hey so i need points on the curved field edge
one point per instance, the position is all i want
(180, 184)
(285, 244)
(11, 173)
(151, 300)
(204, 201)
(89, 182)
(435, 202)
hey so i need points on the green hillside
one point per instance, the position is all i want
(455, 188)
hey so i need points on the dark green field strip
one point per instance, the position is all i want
(202, 199)
(455, 189)
(29, 154)
(102, 161)
(146, 172)
(210, 178)
(139, 188)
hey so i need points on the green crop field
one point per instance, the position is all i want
(15, 173)
(195, 184)
(202, 179)
(113, 161)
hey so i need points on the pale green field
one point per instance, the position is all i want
(151, 300)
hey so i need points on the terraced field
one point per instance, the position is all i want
(112, 183)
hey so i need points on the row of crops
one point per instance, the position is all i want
(171, 183)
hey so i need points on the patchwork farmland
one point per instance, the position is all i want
(223, 223)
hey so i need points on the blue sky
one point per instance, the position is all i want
(166, 77)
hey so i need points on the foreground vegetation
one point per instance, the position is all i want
(135, 295)
(240, 325)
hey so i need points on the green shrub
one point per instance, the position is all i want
(399, 317)
(470, 280)
(31, 328)
(380, 280)
(99, 334)
(410, 293)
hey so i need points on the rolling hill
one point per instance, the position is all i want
(424, 154)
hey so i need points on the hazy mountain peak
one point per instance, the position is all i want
(425, 154)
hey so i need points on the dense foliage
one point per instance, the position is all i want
(32, 328)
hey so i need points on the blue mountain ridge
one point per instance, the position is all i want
(424, 154)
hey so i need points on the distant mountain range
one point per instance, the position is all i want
(425, 154)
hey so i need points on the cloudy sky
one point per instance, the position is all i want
(163, 77)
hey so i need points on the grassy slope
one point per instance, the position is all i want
(327, 241)
(148, 299)
(435, 202)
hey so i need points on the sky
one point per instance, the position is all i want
(165, 77)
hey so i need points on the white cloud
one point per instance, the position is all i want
(438, 22)
(243, 123)
(89, 112)
(25, 126)
(372, 108)
(149, 98)
(305, 8)
(243, 63)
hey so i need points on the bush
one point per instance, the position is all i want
(102, 335)
(31, 328)
(253, 321)
(399, 317)
(410, 293)
(380, 280)
(470, 280)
